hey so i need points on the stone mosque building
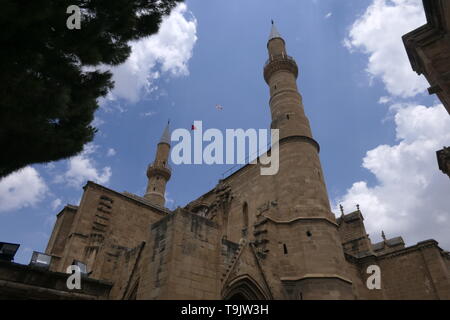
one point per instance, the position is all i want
(251, 237)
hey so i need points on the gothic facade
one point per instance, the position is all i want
(251, 237)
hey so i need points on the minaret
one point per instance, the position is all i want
(280, 73)
(288, 115)
(312, 260)
(159, 171)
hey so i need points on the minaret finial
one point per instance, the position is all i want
(342, 209)
(357, 207)
(383, 235)
(274, 32)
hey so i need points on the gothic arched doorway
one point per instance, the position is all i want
(244, 288)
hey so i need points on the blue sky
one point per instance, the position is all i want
(377, 127)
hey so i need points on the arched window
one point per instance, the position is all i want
(245, 219)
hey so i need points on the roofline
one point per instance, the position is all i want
(99, 186)
(422, 244)
(67, 206)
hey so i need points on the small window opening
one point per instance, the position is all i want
(285, 248)
(308, 233)
(287, 116)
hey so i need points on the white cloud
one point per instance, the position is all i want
(50, 166)
(168, 51)
(410, 197)
(82, 168)
(378, 33)
(97, 122)
(21, 189)
(56, 203)
(384, 100)
(148, 114)
(111, 152)
(328, 15)
(169, 200)
(170, 203)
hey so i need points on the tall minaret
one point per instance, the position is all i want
(280, 73)
(159, 171)
(312, 259)
(288, 115)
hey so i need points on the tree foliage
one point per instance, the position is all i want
(49, 85)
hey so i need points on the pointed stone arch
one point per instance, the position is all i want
(244, 288)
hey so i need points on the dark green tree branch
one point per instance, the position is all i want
(47, 99)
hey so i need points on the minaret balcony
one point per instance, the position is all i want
(279, 62)
(159, 168)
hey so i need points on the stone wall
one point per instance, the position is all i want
(417, 272)
(106, 224)
(353, 234)
(30, 282)
(181, 260)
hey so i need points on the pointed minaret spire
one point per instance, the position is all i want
(274, 32)
(165, 138)
(159, 171)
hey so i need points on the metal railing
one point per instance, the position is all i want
(161, 164)
(278, 58)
